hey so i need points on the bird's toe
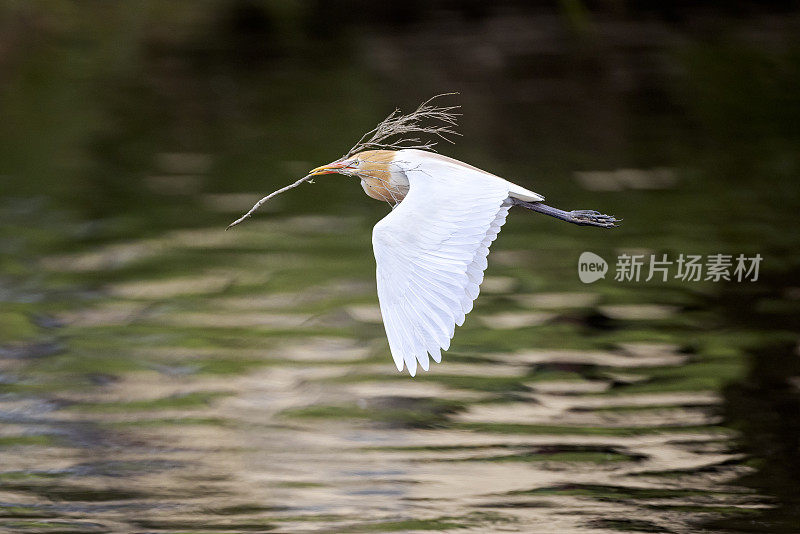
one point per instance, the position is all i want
(594, 218)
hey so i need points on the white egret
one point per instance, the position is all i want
(431, 249)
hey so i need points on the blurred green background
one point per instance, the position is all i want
(136, 337)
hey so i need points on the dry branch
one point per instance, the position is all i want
(392, 133)
(396, 124)
(273, 194)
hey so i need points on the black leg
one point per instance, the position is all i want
(579, 217)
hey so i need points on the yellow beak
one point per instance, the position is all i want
(329, 168)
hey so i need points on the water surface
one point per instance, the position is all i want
(158, 374)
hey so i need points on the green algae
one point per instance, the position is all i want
(169, 421)
(27, 440)
(629, 525)
(556, 430)
(16, 326)
(198, 399)
(565, 456)
(422, 412)
(615, 493)
(406, 525)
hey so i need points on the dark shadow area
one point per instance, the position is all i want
(765, 406)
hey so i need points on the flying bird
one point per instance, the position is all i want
(431, 250)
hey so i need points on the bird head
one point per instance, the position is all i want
(342, 166)
(369, 162)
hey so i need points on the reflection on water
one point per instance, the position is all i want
(764, 404)
(202, 384)
(159, 374)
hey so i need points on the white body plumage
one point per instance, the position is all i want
(431, 250)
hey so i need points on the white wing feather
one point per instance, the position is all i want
(431, 253)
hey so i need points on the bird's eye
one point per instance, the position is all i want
(353, 164)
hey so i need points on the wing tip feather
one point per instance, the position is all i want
(409, 327)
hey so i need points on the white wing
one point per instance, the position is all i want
(431, 253)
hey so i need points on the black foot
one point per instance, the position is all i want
(593, 218)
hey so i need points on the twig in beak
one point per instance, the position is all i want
(258, 204)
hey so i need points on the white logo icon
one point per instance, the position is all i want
(591, 267)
